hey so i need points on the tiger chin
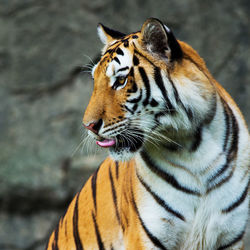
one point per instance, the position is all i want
(178, 172)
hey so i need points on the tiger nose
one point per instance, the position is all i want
(94, 126)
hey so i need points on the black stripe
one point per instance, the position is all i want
(113, 128)
(176, 94)
(134, 86)
(235, 240)
(165, 176)
(232, 151)
(133, 89)
(237, 202)
(212, 111)
(138, 53)
(77, 239)
(218, 173)
(160, 84)
(132, 73)
(233, 129)
(54, 243)
(122, 69)
(172, 147)
(117, 169)
(128, 109)
(135, 107)
(154, 103)
(146, 84)
(111, 51)
(198, 133)
(197, 138)
(135, 60)
(188, 111)
(124, 40)
(137, 99)
(114, 195)
(117, 60)
(160, 201)
(235, 137)
(93, 186)
(117, 43)
(117, 132)
(97, 233)
(227, 124)
(108, 51)
(125, 43)
(217, 185)
(153, 239)
(119, 51)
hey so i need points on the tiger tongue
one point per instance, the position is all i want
(106, 143)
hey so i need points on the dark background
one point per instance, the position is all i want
(43, 95)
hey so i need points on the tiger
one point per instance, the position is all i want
(177, 174)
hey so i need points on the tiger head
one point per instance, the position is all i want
(146, 85)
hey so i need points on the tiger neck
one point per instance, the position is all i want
(191, 154)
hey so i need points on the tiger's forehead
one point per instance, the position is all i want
(119, 52)
(125, 42)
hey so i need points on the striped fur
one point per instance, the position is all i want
(178, 173)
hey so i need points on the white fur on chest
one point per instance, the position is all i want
(205, 227)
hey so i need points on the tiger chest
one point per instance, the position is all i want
(167, 218)
(182, 221)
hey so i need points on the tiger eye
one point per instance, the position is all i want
(121, 80)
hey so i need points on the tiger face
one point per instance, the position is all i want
(137, 96)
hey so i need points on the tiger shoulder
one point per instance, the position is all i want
(178, 172)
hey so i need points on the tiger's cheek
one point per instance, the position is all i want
(114, 109)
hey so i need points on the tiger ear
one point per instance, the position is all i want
(158, 39)
(108, 35)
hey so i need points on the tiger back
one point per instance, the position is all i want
(178, 172)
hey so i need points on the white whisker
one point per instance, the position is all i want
(89, 59)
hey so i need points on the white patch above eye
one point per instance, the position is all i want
(110, 70)
(121, 66)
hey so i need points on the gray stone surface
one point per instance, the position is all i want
(43, 45)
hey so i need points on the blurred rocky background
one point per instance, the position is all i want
(44, 91)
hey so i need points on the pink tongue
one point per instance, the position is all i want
(106, 143)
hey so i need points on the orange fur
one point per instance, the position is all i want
(109, 225)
